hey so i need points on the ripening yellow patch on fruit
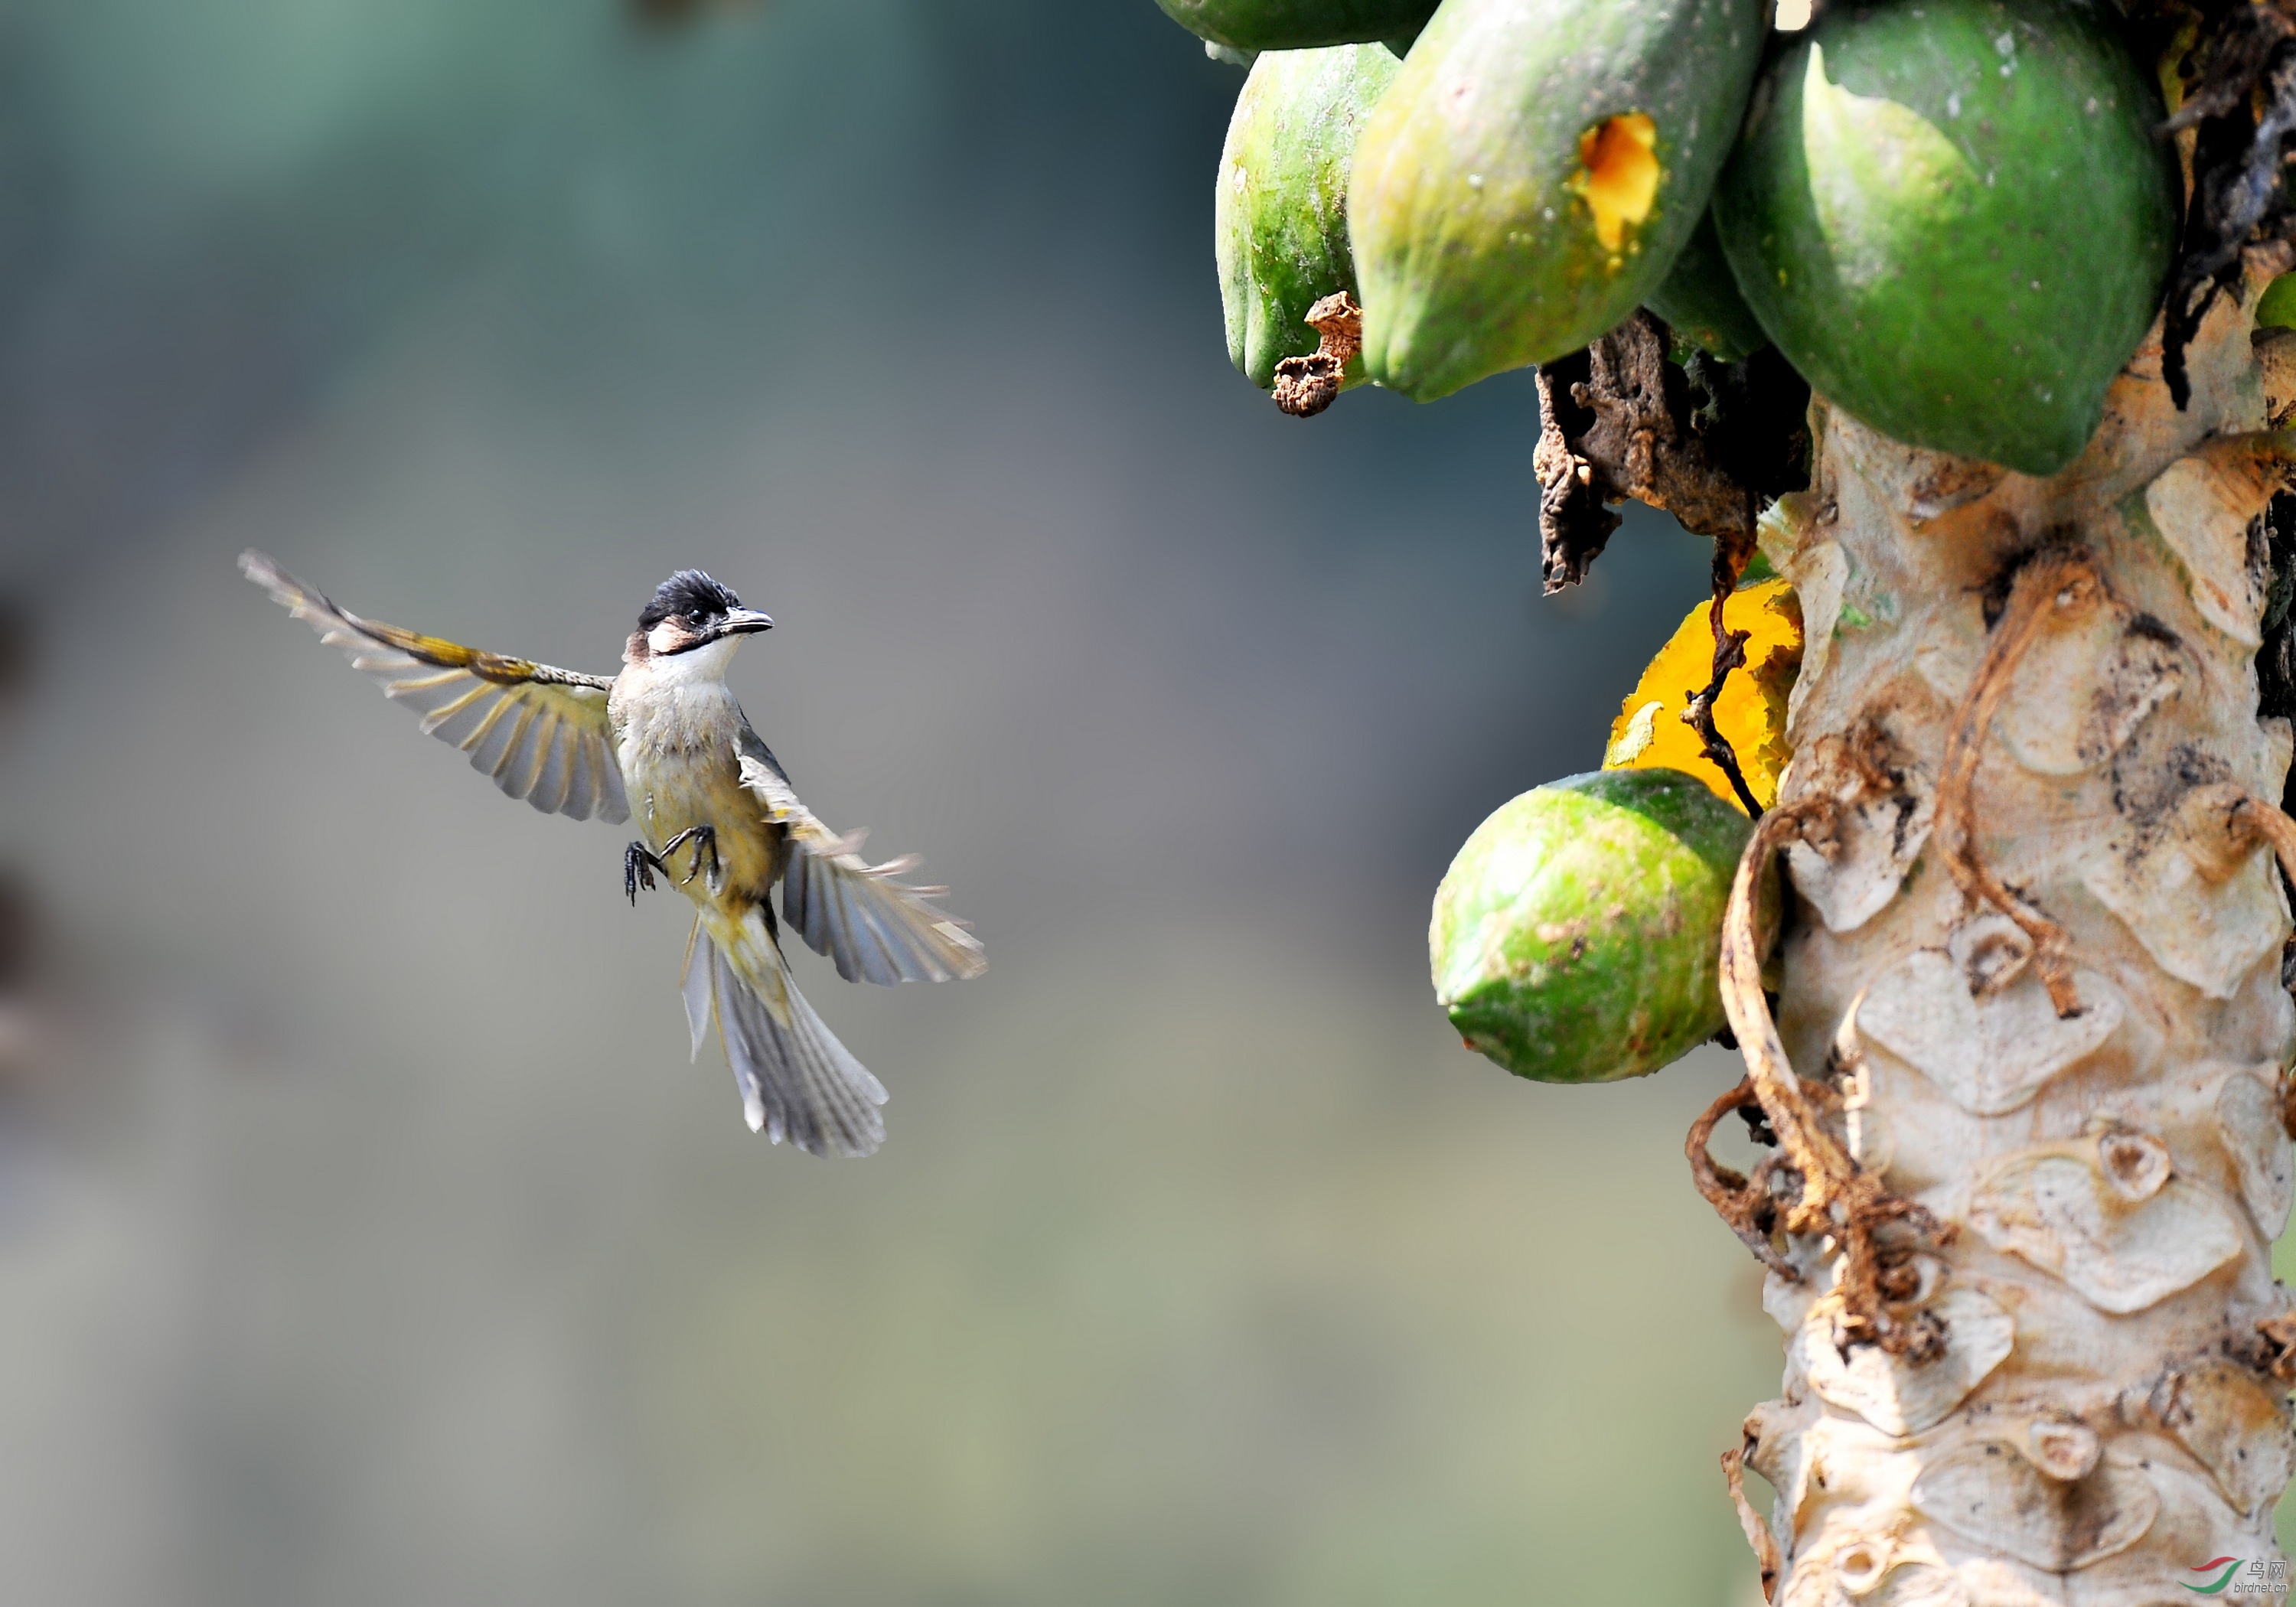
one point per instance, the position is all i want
(1751, 711)
(1617, 173)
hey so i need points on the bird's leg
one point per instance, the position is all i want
(639, 863)
(638, 867)
(704, 838)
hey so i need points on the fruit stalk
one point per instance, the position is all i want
(2029, 1050)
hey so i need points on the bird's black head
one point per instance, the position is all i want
(691, 595)
(695, 610)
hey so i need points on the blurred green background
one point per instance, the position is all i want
(364, 1235)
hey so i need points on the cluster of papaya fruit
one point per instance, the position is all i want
(1952, 217)
(1955, 218)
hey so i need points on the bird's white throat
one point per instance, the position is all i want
(707, 662)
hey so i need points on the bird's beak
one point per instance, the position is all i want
(744, 622)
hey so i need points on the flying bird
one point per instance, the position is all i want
(665, 736)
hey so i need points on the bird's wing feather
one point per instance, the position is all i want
(540, 732)
(876, 929)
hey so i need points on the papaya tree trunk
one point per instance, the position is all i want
(2029, 1013)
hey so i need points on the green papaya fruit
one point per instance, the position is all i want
(1298, 24)
(1700, 301)
(1952, 218)
(1531, 173)
(1281, 211)
(1576, 936)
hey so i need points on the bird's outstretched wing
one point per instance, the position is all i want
(540, 732)
(876, 929)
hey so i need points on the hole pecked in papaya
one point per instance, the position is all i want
(1617, 173)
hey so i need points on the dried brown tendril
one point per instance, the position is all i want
(1744, 1203)
(1732, 551)
(1873, 1230)
(2270, 825)
(2055, 585)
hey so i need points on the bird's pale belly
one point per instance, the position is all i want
(673, 792)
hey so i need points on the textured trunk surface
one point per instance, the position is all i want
(2105, 1413)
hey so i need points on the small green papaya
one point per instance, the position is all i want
(1530, 175)
(1576, 936)
(1281, 211)
(1298, 24)
(1954, 219)
(1700, 301)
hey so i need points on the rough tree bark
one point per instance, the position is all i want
(2027, 1069)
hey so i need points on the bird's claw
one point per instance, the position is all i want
(705, 837)
(638, 867)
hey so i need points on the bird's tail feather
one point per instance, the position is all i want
(796, 1081)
